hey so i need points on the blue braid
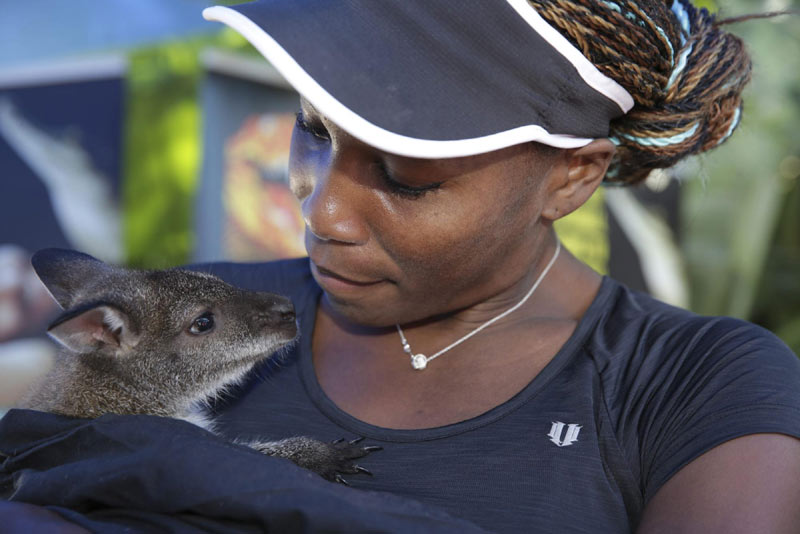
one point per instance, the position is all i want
(737, 117)
(683, 18)
(663, 141)
(680, 66)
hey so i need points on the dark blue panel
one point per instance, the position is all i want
(88, 113)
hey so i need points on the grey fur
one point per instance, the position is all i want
(128, 348)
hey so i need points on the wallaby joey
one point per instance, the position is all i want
(162, 343)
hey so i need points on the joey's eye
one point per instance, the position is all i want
(203, 324)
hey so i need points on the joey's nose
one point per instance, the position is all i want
(279, 312)
(286, 316)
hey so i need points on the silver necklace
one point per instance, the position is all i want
(420, 361)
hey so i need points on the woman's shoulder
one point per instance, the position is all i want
(631, 322)
(676, 383)
(641, 344)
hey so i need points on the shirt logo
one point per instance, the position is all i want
(570, 436)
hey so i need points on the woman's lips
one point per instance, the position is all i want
(335, 282)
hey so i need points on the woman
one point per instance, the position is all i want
(508, 383)
(434, 149)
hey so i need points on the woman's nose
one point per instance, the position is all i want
(333, 211)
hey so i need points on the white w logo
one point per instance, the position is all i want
(570, 437)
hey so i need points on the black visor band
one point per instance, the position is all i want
(433, 78)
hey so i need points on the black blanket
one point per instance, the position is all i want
(152, 474)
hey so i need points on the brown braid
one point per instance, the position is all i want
(639, 45)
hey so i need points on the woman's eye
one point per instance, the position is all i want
(403, 190)
(202, 324)
(313, 129)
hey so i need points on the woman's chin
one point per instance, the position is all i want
(360, 312)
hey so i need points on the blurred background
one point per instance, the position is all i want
(135, 131)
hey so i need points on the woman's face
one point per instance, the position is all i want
(396, 240)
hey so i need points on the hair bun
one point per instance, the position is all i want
(685, 74)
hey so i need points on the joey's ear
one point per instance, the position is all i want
(64, 272)
(576, 177)
(98, 327)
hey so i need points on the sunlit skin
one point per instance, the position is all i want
(439, 263)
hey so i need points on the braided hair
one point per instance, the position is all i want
(684, 73)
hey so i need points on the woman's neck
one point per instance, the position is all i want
(367, 374)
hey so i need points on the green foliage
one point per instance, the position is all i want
(778, 303)
(161, 153)
(163, 148)
(585, 233)
(741, 237)
(708, 4)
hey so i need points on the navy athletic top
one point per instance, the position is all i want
(639, 390)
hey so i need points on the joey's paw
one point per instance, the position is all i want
(340, 459)
(329, 460)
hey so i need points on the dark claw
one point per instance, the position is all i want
(341, 479)
(357, 440)
(373, 448)
(363, 470)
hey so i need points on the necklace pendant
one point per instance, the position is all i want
(419, 362)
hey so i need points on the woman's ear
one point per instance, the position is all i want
(576, 176)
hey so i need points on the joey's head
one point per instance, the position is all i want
(174, 330)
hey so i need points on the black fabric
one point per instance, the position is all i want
(151, 474)
(434, 69)
(651, 386)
